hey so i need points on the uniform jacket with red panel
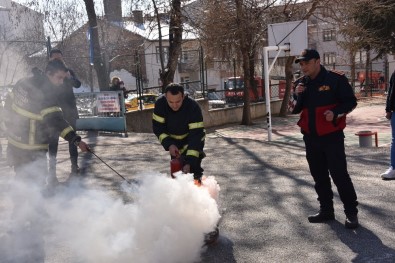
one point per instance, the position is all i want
(330, 90)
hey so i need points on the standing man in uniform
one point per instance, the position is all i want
(323, 100)
(64, 95)
(32, 116)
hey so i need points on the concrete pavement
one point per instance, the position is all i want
(266, 190)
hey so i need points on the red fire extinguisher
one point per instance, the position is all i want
(175, 166)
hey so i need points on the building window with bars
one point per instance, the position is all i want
(329, 58)
(329, 35)
(165, 54)
(184, 56)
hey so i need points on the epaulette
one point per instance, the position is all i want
(337, 72)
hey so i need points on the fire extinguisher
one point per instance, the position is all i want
(175, 166)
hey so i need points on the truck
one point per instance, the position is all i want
(234, 90)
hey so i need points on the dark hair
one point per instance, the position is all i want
(174, 88)
(55, 51)
(54, 66)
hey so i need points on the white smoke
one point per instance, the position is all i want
(166, 222)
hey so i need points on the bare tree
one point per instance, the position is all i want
(20, 37)
(293, 11)
(98, 62)
(235, 29)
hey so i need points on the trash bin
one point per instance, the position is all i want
(365, 138)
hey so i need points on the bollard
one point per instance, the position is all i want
(365, 138)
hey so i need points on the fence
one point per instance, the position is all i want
(101, 111)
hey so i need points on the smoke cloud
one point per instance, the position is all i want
(166, 222)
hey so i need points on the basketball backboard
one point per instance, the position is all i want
(293, 33)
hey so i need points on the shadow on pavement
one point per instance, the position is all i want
(364, 243)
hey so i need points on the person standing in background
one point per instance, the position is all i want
(66, 100)
(389, 109)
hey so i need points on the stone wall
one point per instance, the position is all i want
(141, 121)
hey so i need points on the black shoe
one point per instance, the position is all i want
(75, 170)
(211, 237)
(321, 216)
(351, 222)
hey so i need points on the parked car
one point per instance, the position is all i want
(132, 102)
(215, 101)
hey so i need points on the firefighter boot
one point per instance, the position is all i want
(211, 237)
(75, 169)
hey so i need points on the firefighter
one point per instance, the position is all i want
(323, 99)
(32, 115)
(66, 100)
(178, 124)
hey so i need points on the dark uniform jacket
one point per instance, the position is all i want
(330, 90)
(390, 104)
(66, 98)
(183, 128)
(32, 115)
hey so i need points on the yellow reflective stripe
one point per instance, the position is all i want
(50, 110)
(163, 136)
(28, 146)
(183, 149)
(66, 131)
(179, 137)
(193, 153)
(26, 113)
(32, 132)
(196, 125)
(158, 118)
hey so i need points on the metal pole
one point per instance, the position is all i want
(267, 88)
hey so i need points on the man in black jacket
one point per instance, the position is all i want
(178, 124)
(32, 116)
(389, 174)
(324, 98)
(66, 100)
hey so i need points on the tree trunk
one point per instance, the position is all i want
(99, 65)
(245, 50)
(352, 65)
(175, 40)
(288, 86)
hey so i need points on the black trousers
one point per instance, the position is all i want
(53, 151)
(196, 169)
(327, 157)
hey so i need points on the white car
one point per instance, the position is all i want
(215, 101)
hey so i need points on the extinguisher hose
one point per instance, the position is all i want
(89, 150)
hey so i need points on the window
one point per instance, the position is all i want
(329, 35)
(184, 56)
(165, 54)
(360, 57)
(326, 12)
(329, 58)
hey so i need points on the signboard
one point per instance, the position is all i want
(108, 102)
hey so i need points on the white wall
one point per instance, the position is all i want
(19, 28)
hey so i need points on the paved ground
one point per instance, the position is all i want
(266, 190)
